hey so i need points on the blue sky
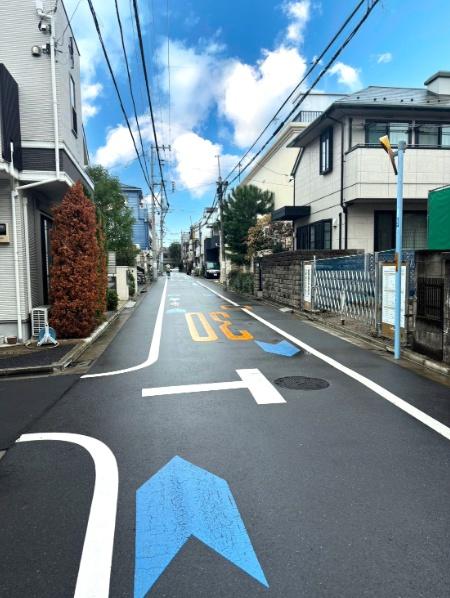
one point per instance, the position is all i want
(232, 64)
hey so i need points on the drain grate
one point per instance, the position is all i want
(302, 383)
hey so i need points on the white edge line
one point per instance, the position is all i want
(218, 294)
(419, 415)
(370, 384)
(94, 573)
(153, 354)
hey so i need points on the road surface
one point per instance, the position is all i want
(179, 467)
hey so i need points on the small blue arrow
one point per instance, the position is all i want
(176, 310)
(182, 500)
(282, 348)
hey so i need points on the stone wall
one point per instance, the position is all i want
(279, 277)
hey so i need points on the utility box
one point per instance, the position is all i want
(439, 219)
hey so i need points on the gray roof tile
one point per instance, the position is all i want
(398, 96)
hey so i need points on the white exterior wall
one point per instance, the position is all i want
(33, 75)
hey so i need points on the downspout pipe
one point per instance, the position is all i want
(14, 195)
(341, 197)
(27, 253)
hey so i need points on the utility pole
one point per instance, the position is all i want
(153, 217)
(221, 189)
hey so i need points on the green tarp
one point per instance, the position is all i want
(439, 219)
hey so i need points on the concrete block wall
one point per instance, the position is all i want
(281, 274)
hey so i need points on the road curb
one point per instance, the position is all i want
(73, 354)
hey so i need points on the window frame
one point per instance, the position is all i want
(326, 137)
(439, 124)
(387, 130)
(73, 106)
(311, 233)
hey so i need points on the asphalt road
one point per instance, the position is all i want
(238, 487)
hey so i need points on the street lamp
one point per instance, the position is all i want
(398, 169)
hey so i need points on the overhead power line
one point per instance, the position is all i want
(130, 85)
(147, 85)
(108, 62)
(370, 7)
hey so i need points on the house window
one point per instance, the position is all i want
(326, 151)
(414, 230)
(397, 131)
(314, 236)
(433, 134)
(73, 107)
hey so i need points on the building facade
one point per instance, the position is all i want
(345, 186)
(142, 225)
(43, 150)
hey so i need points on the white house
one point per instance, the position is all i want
(344, 182)
(42, 149)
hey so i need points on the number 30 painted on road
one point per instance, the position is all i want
(223, 319)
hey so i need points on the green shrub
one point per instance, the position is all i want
(131, 284)
(242, 282)
(112, 300)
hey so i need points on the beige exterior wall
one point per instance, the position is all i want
(368, 179)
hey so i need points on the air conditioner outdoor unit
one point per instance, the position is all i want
(39, 318)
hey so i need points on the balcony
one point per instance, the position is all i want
(368, 172)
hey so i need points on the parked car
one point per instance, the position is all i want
(212, 270)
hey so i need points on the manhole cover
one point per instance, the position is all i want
(302, 383)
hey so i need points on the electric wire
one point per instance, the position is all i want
(108, 62)
(130, 85)
(147, 85)
(309, 71)
(69, 21)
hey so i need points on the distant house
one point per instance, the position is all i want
(345, 186)
(141, 227)
(42, 150)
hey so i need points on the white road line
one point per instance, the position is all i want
(261, 389)
(153, 354)
(425, 419)
(218, 294)
(94, 573)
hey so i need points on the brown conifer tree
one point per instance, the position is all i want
(74, 289)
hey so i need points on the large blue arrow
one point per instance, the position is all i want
(180, 501)
(282, 348)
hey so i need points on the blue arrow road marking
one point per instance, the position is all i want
(176, 310)
(182, 500)
(282, 348)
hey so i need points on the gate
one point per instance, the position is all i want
(429, 333)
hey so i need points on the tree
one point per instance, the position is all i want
(240, 213)
(74, 275)
(102, 268)
(117, 216)
(270, 236)
(175, 253)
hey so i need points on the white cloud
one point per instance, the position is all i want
(91, 54)
(384, 58)
(196, 162)
(90, 93)
(299, 14)
(347, 75)
(251, 94)
(118, 148)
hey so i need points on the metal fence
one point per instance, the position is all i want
(349, 286)
(346, 286)
(430, 299)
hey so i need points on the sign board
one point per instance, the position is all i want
(307, 286)
(388, 299)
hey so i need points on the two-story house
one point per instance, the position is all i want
(42, 148)
(345, 186)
